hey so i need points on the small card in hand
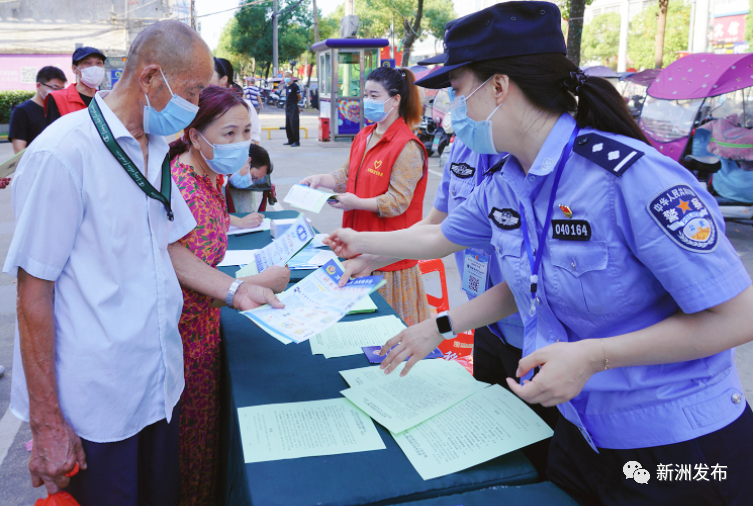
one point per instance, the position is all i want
(372, 351)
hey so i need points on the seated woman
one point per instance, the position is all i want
(240, 198)
(214, 145)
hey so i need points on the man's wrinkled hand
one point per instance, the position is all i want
(250, 296)
(55, 451)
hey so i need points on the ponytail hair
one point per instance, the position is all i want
(550, 82)
(214, 101)
(401, 81)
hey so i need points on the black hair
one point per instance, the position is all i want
(259, 158)
(47, 74)
(224, 68)
(400, 81)
(549, 81)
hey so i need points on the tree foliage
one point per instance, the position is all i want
(642, 35)
(252, 33)
(376, 18)
(243, 64)
(749, 25)
(601, 40)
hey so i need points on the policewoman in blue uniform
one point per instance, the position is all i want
(632, 297)
(497, 348)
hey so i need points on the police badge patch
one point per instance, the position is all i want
(462, 170)
(506, 219)
(684, 218)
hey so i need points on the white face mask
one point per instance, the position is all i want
(92, 76)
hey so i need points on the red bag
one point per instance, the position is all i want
(62, 498)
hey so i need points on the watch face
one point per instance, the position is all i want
(443, 324)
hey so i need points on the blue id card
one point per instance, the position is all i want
(475, 267)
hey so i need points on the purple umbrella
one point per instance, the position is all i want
(644, 78)
(703, 75)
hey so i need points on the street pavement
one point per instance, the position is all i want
(291, 165)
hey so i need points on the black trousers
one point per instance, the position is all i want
(139, 471)
(720, 469)
(493, 362)
(292, 124)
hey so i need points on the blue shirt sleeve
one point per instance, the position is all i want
(440, 201)
(654, 200)
(468, 224)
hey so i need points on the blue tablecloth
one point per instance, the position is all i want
(544, 494)
(258, 370)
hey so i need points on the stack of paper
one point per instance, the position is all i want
(237, 230)
(401, 403)
(456, 429)
(365, 305)
(306, 198)
(305, 429)
(279, 252)
(314, 304)
(348, 338)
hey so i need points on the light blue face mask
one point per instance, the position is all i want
(177, 114)
(228, 158)
(241, 181)
(477, 135)
(373, 110)
(287, 80)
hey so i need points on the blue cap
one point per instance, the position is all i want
(504, 29)
(82, 52)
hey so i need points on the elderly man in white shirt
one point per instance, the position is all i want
(98, 357)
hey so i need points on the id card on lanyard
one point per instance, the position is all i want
(475, 269)
(534, 260)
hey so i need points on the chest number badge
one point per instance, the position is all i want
(571, 230)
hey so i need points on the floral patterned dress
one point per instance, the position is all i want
(200, 331)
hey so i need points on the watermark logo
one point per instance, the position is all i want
(634, 471)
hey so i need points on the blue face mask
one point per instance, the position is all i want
(373, 110)
(477, 135)
(177, 114)
(240, 181)
(228, 158)
(287, 80)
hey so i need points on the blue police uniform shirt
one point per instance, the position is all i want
(463, 172)
(652, 242)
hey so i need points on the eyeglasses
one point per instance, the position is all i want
(53, 87)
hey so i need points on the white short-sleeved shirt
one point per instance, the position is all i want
(83, 223)
(255, 122)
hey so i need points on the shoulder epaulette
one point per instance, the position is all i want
(609, 154)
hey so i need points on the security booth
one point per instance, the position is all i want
(342, 67)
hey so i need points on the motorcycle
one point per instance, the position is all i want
(273, 98)
(697, 112)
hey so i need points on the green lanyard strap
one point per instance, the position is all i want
(106, 134)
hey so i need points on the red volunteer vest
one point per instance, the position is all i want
(371, 178)
(67, 100)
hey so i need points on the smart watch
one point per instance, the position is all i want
(444, 325)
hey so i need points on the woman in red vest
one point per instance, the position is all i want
(381, 187)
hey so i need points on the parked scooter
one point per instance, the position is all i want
(697, 113)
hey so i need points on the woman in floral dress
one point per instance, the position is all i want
(222, 119)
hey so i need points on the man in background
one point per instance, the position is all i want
(89, 67)
(253, 94)
(293, 96)
(28, 119)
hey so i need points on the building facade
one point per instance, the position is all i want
(37, 33)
